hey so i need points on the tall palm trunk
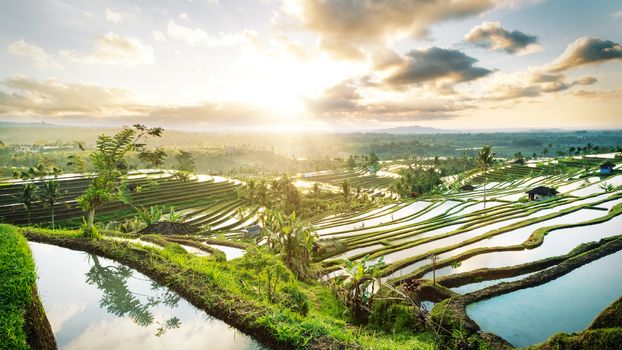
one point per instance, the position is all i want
(52, 216)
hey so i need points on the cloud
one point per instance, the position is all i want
(434, 65)
(53, 98)
(159, 36)
(529, 84)
(343, 102)
(114, 49)
(345, 27)
(293, 48)
(199, 37)
(492, 35)
(584, 51)
(83, 102)
(617, 14)
(41, 59)
(117, 17)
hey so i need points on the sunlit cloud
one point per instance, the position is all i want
(114, 49)
(584, 51)
(492, 35)
(41, 59)
(200, 37)
(117, 17)
(344, 102)
(26, 96)
(346, 27)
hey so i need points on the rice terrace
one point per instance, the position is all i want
(301, 174)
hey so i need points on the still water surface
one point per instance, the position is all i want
(97, 303)
(567, 304)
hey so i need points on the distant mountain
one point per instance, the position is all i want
(4, 124)
(414, 129)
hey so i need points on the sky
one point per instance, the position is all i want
(313, 65)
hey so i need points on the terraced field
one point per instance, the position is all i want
(479, 245)
(209, 203)
(361, 179)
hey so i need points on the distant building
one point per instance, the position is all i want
(541, 192)
(520, 161)
(467, 188)
(252, 231)
(607, 168)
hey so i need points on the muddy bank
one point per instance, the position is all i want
(38, 330)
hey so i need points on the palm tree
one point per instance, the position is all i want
(49, 194)
(345, 188)
(486, 158)
(251, 189)
(27, 196)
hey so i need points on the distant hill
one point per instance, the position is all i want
(414, 129)
(4, 124)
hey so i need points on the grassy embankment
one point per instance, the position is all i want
(283, 313)
(605, 333)
(23, 324)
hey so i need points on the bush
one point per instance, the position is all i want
(393, 317)
(294, 299)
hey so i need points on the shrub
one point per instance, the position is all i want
(295, 299)
(393, 317)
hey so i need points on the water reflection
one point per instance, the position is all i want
(120, 301)
(96, 303)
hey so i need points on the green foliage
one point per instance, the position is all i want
(49, 195)
(268, 269)
(356, 288)
(91, 232)
(185, 161)
(294, 299)
(149, 216)
(607, 187)
(173, 216)
(393, 317)
(27, 197)
(346, 191)
(351, 163)
(110, 165)
(153, 158)
(291, 239)
(485, 160)
(175, 248)
(415, 182)
(17, 276)
(280, 194)
(601, 339)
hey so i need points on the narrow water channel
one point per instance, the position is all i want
(97, 303)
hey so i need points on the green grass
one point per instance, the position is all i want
(236, 292)
(17, 278)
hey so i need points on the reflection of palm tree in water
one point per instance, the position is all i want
(120, 301)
